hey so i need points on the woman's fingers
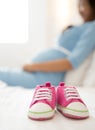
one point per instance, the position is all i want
(27, 67)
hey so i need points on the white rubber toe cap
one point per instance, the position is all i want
(40, 111)
(77, 109)
(40, 107)
(78, 106)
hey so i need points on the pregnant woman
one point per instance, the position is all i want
(74, 45)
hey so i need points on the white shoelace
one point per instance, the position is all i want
(43, 93)
(71, 93)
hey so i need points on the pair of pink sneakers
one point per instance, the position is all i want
(67, 99)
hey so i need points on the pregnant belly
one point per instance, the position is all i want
(48, 55)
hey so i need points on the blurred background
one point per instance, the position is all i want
(28, 26)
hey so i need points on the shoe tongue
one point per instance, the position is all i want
(48, 84)
(62, 84)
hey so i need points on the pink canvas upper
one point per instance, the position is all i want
(64, 98)
(47, 88)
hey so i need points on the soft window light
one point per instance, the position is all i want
(13, 21)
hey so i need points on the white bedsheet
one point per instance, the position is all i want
(14, 102)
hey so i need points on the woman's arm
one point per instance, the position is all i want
(50, 66)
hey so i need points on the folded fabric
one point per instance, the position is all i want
(76, 77)
(89, 79)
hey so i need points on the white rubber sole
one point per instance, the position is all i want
(72, 113)
(41, 115)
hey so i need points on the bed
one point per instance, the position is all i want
(14, 102)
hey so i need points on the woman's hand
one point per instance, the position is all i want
(28, 67)
(33, 67)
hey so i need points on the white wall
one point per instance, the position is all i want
(16, 54)
(61, 14)
(46, 19)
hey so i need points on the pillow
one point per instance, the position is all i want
(76, 77)
(89, 80)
